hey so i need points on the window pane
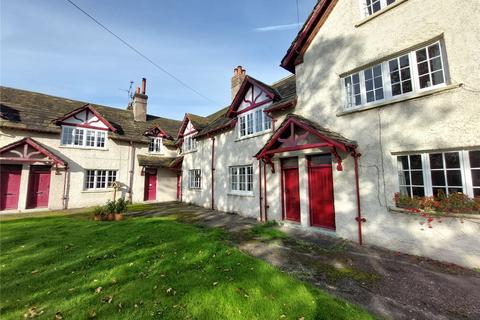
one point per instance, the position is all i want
(436, 161)
(90, 139)
(437, 78)
(434, 50)
(476, 177)
(78, 137)
(452, 160)
(416, 161)
(403, 162)
(258, 120)
(67, 136)
(439, 192)
(418, 192)
(421, 55)
(319, 159)
(474, 158)
(417, 178)
(454, 178)
(476, 193)
(438, 178)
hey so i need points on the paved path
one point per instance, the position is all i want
(389, 284)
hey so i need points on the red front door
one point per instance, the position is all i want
(10, 186)
(38, 187)
(150, 184)
(291, 189)
(322, 210)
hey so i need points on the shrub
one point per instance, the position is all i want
(121, 206)
(111, 206)
(454, 202)
(99, 211)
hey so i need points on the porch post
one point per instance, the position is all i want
(22, 197)
(304, 199)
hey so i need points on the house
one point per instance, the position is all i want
(372, 108)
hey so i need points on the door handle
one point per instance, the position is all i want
(9, 194)
(39, 192)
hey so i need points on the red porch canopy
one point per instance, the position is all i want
(30, 151)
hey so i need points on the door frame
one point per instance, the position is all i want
(16, 170)
(282, 177)
(309, 165)
(33, 170)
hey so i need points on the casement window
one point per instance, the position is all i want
(253, 122)
(189, 144)
(432, 174)
(419, 70)
(100, 179)
(155, 145)
(372, 6)
(241, 179)
(83, 138)
(194, 178)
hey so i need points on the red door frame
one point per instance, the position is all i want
(310, 193)
(16, 171)
(39, 187)
(283, 170)
(179, 187)
(149, 174)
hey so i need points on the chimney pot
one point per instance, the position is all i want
(144, 85)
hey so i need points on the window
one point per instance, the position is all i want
(79, 137)
(372, 6)
(253, 121)
(100, 179)
(418, 70)
(189, 144)
(241, 179)
(155, 145)
(194, 178)
(433, 174)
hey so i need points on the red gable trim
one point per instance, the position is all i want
(36, 146)
(311, 27)
(163, 133)
(246, 84)
(268, 151)
(184, 125)
(88, 107)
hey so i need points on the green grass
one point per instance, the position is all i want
(147, 268)
(267, 231)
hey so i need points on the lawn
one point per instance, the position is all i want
(74, 268)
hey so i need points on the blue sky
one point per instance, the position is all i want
(49, 46)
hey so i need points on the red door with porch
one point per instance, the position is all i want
(10, 186)
(320, 180)
(38, 187)
(291, 189)
(150, 184)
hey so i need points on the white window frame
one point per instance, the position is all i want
(194, 179)
(76, 137)
(465, 169)
(383, 4)
(93, 176)
(253, 122)
(241, 179)
(155, 145)
(189, 144)
(348, 93)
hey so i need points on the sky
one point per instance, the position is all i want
(49, 46)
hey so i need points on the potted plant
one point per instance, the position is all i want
(120, 209)
(111, 208)
(98, 213)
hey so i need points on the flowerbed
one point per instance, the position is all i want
(453, 203)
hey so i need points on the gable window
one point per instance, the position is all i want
(434, 174)
(100, 179)
(253, 122)
(373, 6)
(80, 137)
(155, 145)
(241, 179)
(194, 178)
(416, 71)
(189, 144)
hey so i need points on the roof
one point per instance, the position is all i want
(325, 134)
(306, 34)
(27, 110)
(155, 161)
(44, 150)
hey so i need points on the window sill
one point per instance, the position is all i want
(253, 135)
(402, 99)
(195, 189)
(83, 148)
(379, 13)
(250, 194)
(156, 153)
(436, 214)
(97, 190)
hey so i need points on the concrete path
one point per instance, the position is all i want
(388, 284)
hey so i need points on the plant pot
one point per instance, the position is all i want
(110, 217)
(97, 217)
(119, 216)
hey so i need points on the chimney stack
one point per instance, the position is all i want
(139, 104)
(238, 75)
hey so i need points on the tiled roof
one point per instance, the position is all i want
(155, 161)
(34, 111)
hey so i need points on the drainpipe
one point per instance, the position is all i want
(359, 209)
(213, 173)
(260, 188)
(265, 189)
(65, 189)
(131, 171)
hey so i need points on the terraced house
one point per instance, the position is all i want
(382, 100)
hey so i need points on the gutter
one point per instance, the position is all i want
(213, 173)
(260, 187)
(131, 171)
(65, 188)
(358, 218)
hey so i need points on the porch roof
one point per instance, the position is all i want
(155, 161)
(22, 154)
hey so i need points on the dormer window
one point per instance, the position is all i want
(373, 6)
(189, 144)
(155, 145)
(82, 137)
(253, 122)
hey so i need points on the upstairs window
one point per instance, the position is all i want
(253, 122)
(189, 144)
(194, 178)
(155, 145)
(82, 137)
(417, 71)
(373, 6)
(99, 179)
(241, 179)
